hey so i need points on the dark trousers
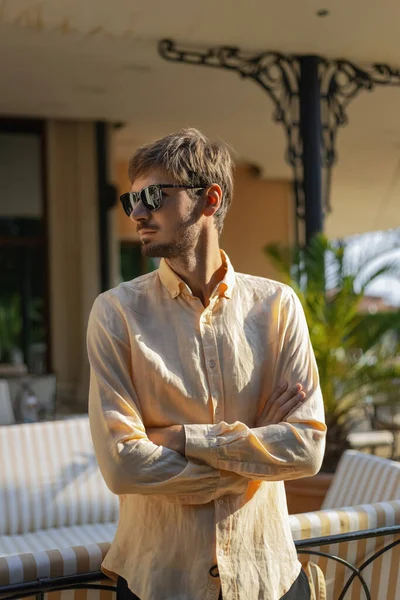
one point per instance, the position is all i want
(300, 590)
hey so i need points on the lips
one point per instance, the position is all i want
(146, 231)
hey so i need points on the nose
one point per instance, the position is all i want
(139, 213)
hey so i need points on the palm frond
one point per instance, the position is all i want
(355, 352)
(368, 276)
(379, 246)
(370, 330)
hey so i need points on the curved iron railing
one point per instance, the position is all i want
(305, 547)
(83, 581)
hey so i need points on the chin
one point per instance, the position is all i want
(161, 250)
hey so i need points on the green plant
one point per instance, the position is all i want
(355, 351)
(35, 312)
(10, 325)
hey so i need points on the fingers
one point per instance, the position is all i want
(282, 395)
(293, 410)
(290, 407)
(283, 403)
(278, 392)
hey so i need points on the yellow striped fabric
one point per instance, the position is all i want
(382, 576)
(83, 594)
(50, 478)
(58, 537)
(21, 568)
(363, 478)
(79, 594)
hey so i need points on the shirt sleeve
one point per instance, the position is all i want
(129, 462)
(287, 450)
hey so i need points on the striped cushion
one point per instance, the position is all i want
(79, 593)
(50, 478)
(381, 576)
(363, 478)
(343, 520)
(61, 537)
(28, 567)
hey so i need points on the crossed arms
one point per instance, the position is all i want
(282, 403)
(197, 463)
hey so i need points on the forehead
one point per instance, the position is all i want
(153, 176)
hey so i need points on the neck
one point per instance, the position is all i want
(201, 268)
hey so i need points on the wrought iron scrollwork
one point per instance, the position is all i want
(340, 82)
(276, 73)
(279, 75)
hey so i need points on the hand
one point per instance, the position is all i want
(170, 437)
(282, 403)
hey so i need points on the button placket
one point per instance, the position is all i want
(210, 349)
(209, 355)
(212, 592)
(223, 535)
(213, 583)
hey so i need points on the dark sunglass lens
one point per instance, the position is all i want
(152, 197)
(126, 203)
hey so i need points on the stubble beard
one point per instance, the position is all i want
(167, 250)
(185, 240)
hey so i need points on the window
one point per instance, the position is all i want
(23, 246)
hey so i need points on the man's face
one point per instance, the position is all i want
(173, 229)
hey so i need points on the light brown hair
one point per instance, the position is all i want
(191, 159)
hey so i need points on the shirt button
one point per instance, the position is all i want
(221, 552)
(217, 410)
(211, 364)
(220, 501)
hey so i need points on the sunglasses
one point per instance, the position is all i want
(151, 196)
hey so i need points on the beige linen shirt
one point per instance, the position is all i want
(159, 358)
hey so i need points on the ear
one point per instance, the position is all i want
(212, 200)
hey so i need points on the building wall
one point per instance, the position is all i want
(262, 212)
(73, 253)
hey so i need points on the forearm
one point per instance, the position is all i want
(132, 464)
(278, 450)
(274, 452)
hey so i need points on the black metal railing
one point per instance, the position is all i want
(306, 547)
(40, 587)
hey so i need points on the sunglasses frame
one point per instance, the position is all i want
(128, 205)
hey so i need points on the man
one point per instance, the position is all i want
(204, 396)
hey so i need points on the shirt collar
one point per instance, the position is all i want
(175, 285)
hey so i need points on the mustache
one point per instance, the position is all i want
(145, 226)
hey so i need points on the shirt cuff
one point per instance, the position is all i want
(201, 444)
